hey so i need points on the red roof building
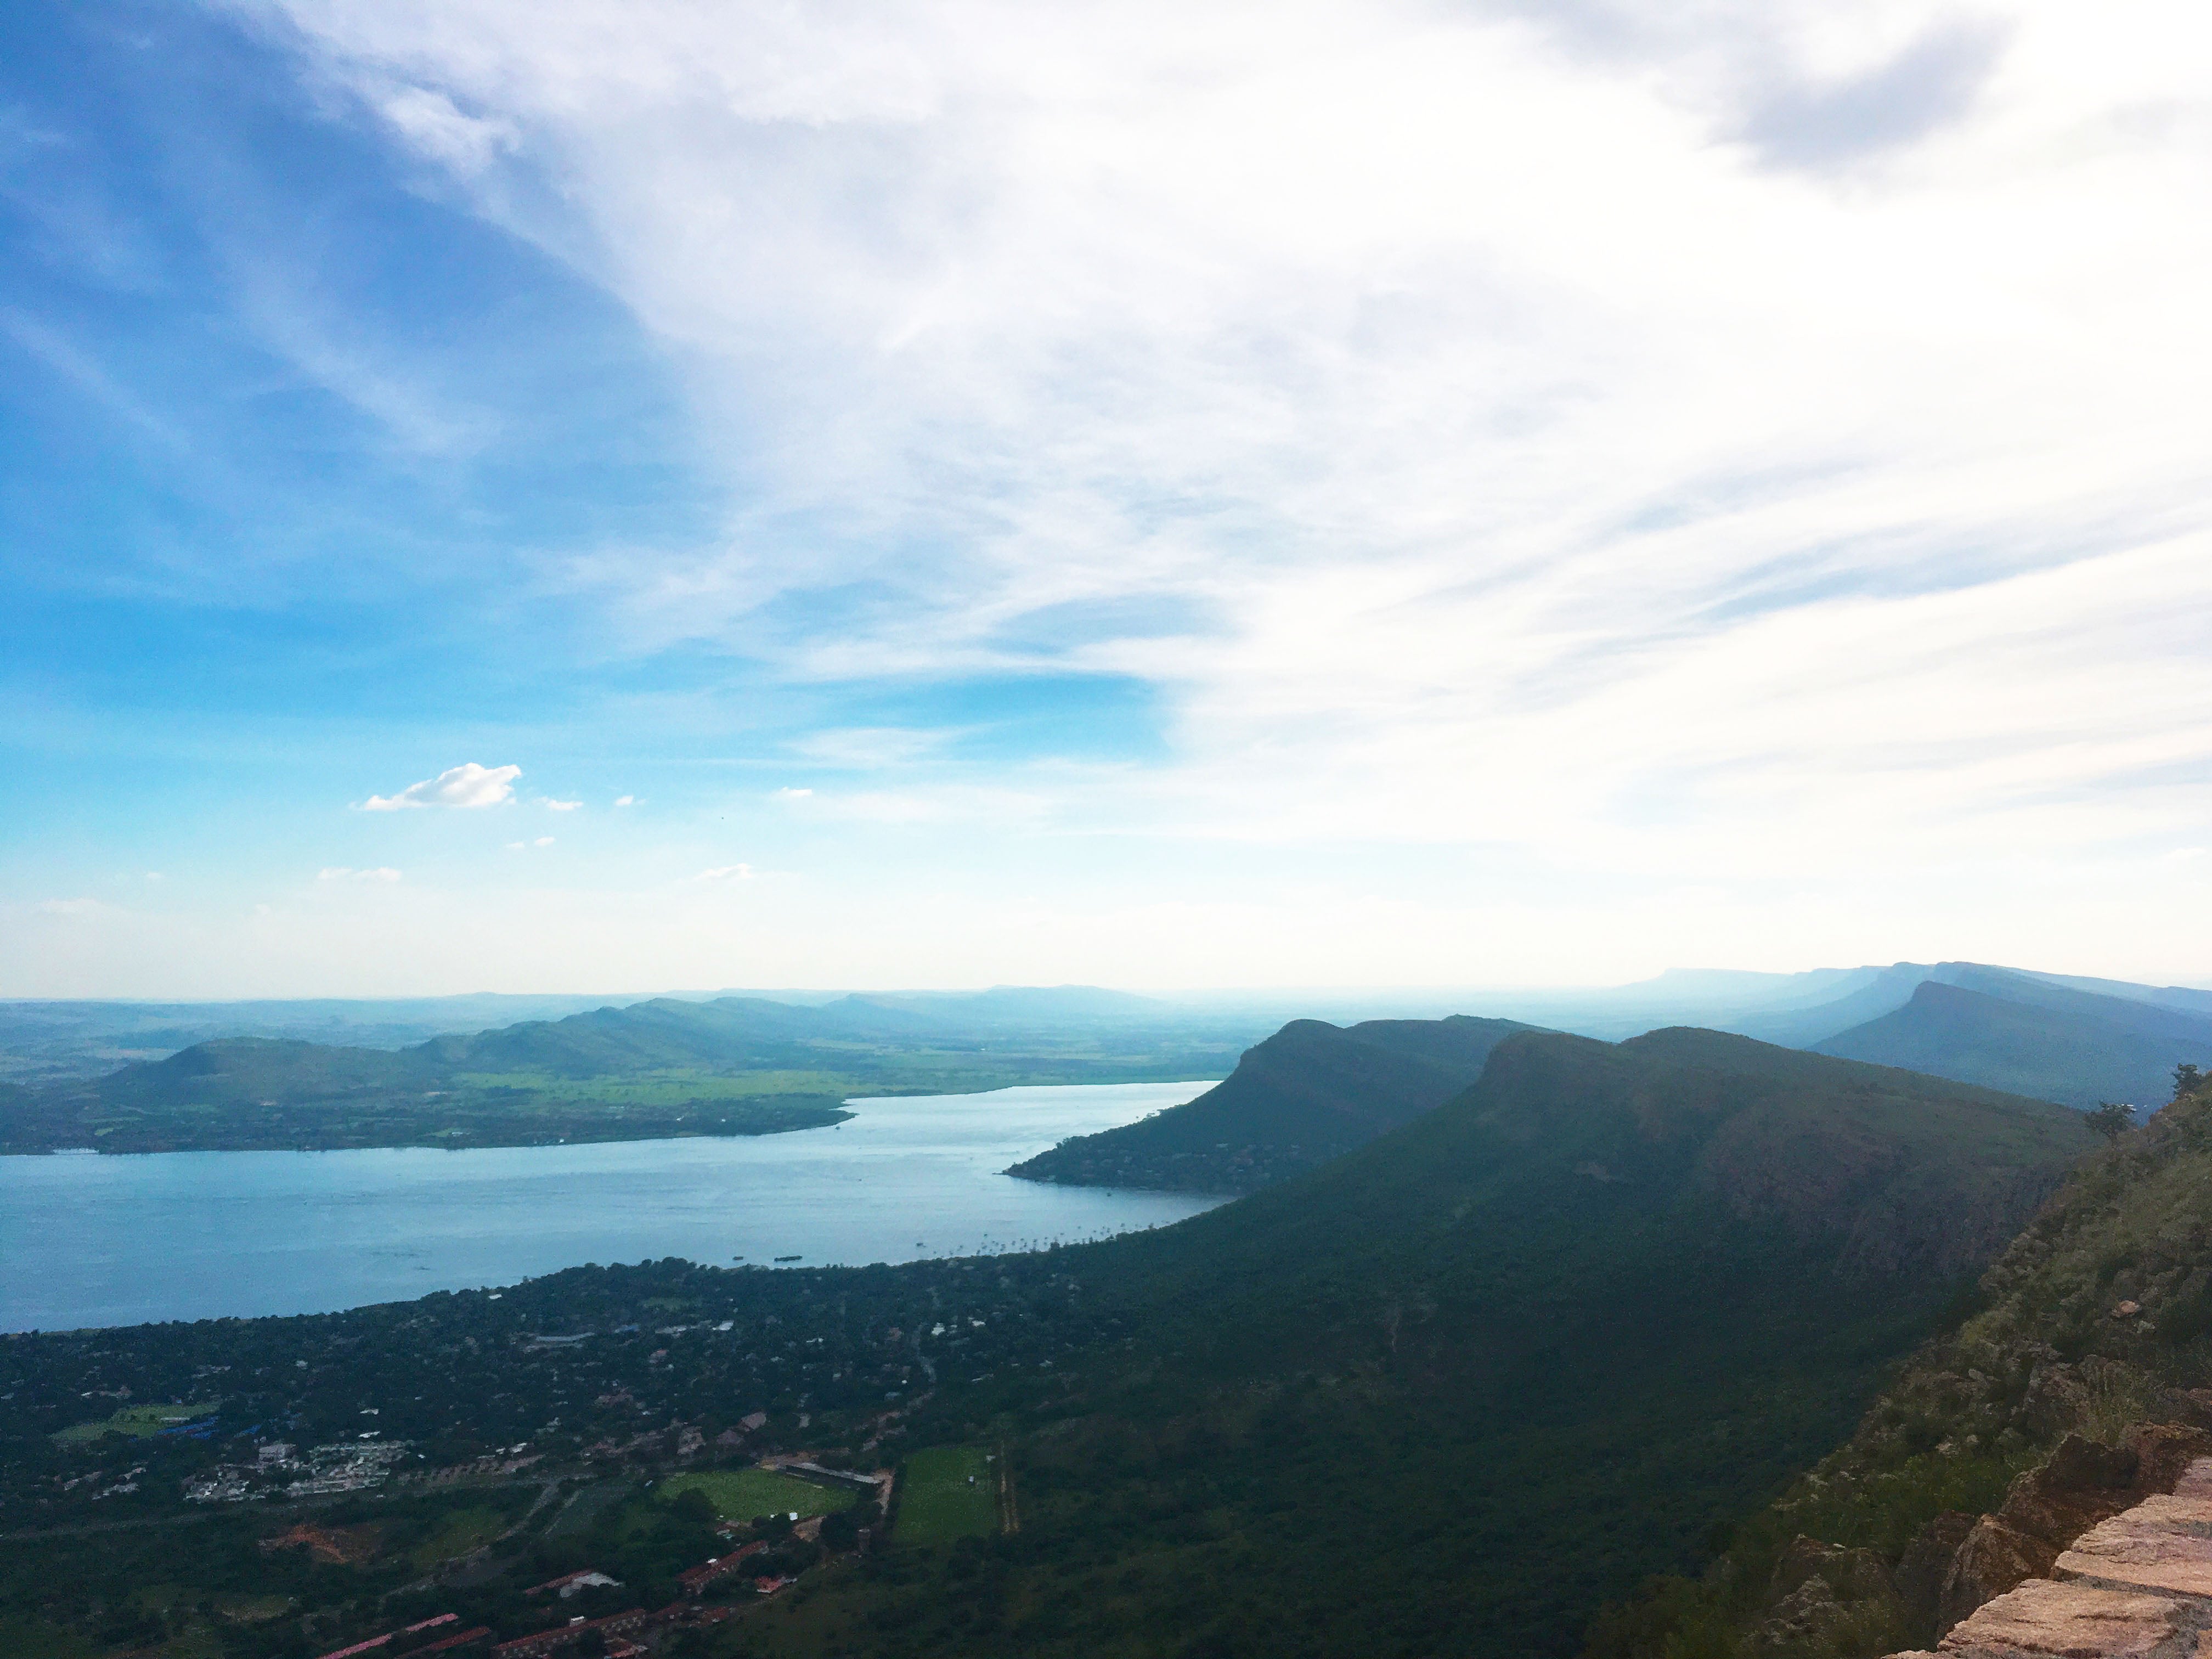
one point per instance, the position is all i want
(698, 1579)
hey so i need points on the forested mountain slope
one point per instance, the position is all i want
(1307, 1094)
(1503, 1359)
(2084, 1381)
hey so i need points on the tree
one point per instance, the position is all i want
(2187, 1080)
(693, 1506)
(2112, 1120)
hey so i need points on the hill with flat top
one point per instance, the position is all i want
(1308, 1093)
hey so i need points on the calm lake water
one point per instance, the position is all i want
(87, 1240)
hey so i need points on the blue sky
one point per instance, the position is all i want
(1468, 495)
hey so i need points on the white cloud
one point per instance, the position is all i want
(518, 846)
(552, 805)
(726, 872)
(625, 800)
(346, 872)
(793, 794)
(466, 785)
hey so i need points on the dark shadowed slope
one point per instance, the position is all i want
(1308, 1093)
(2065, 1045)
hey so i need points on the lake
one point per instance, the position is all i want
(98, 1240)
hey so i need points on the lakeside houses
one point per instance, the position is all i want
(574, 1583)
(278, 1470)
(615, 1630)
(482, 1632)
(513, 1460)
(376, 1642)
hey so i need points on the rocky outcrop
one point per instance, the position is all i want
(2137, 1584)
(2080, 1484)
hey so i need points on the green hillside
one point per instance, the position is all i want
(1308, 1093)
(2064, 1395)
(2011, 1032)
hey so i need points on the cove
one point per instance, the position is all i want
(96, 1240)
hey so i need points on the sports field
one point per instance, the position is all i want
(743, 1494)
(947, 1492)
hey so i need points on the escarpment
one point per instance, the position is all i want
(2076, 1389)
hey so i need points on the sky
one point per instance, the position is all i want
(558, 497)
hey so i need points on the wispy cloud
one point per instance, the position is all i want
(726, 872)
(467, 785)
(553, 805)
(345, 873)
(1488, 415)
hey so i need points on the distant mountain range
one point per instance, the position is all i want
(662, 1068)
(1311, 1091)
(56, 1040)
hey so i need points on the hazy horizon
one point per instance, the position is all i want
(1253, 995)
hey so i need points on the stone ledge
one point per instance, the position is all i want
(2136, 1586)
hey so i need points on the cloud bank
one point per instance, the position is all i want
(1658, 478)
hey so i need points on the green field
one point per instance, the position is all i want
(136, 1421)
(947, 1492)
(460, 1532)
(742, 1494)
